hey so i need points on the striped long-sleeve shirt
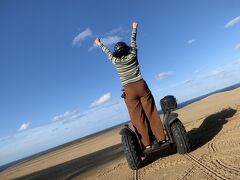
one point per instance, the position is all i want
(127, 66)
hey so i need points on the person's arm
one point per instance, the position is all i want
(107, 51)
(133, 37)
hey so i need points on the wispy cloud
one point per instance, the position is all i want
(188, 81)
(216, 73)
(232, 22)
(164, 75)
(190, 41)
(237, 47)
(74, 118)
(82, 36)
(66, 115)
(112, 104)
(55, 129)
(237, 61)
(204, 81)
(101, 100)
(23, 127)
(115, 31)
(225, 72)
(109, 40)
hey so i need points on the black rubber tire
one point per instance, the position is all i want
(180, 137)
(132, 151)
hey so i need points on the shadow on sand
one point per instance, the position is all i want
(209, 128)
(76, 167)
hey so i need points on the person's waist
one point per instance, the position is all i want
(133, 83)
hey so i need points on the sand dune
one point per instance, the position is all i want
(213, 127)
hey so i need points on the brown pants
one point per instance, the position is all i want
(143, 112)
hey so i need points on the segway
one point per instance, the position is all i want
(175, 133)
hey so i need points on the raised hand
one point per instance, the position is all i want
(98, 41)
(134, 24)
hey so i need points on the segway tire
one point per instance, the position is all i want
(180, 137)
(132, 150)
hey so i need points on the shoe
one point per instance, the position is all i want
(147, 149)
(157, 144)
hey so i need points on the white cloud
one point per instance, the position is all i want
(82, 36)
(204, 82)
(237, 47)
(112, 104)
(66, 115)
(23, 127)
(101, 100)
(188, 81)
(115, 31)
(191, 41)
(216, 73)
(109, 40)
(233, 22)
(237, 61)
(164, 75)
(226, 73)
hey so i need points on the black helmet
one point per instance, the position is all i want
(121, 48)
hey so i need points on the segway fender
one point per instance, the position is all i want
(172, 117)
(127, 132)
(168, 121)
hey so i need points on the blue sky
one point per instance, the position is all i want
(56, 86)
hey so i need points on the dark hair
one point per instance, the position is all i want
(121, 49)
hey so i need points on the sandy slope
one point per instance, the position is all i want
(213, 127)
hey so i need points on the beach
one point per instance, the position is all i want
(213, 129)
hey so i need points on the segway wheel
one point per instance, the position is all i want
(132, 151)
(180, 137)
